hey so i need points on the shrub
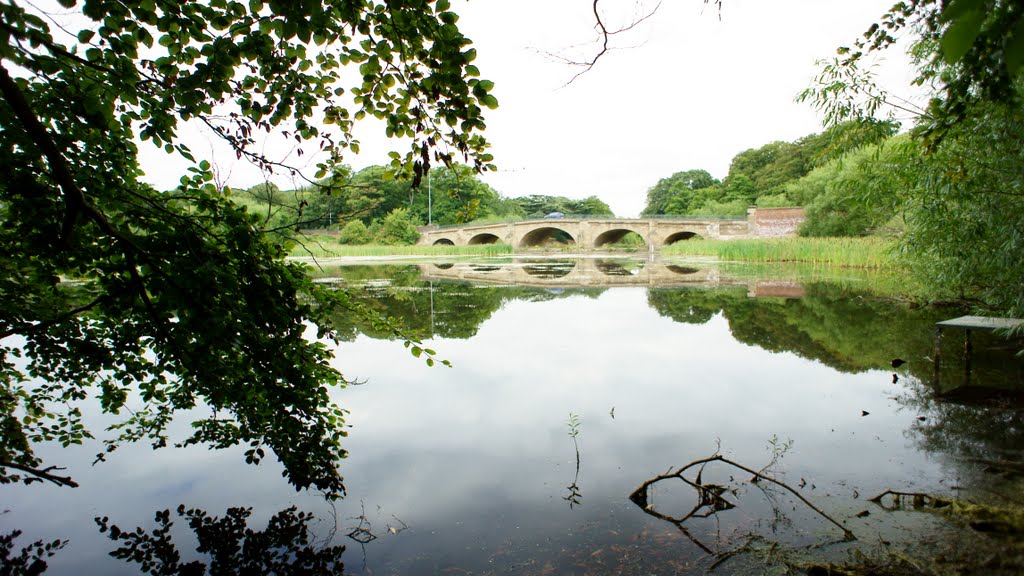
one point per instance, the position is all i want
(397, 228)
(354, 233)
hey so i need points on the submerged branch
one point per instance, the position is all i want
(710, 495)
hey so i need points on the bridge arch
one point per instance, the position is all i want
(484, 238)
(443, 242)
(682, 236)
(546, 235)
(615, 235)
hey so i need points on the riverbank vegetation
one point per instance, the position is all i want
(872, 253)
(948, 191)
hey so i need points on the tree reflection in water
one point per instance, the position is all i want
(850, 330)
(285, 546)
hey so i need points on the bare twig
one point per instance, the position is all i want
(605, 35)
(710, 495)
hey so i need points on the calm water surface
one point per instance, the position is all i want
(474, 469)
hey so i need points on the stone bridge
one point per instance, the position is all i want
(587, 234)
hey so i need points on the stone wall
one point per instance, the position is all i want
(775, 222)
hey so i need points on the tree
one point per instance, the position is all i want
(965, 208)
(397, 228)
(677, 190)
(962, 200)
(970, 51)
(178, 300)
(740, 188)
(456, 196)
(374, 192)
(355, 232)
(590, 206)
(537, 205)
(276, 209)
(856, 194)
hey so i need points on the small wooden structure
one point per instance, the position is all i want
(967, 324)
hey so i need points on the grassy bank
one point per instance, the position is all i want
(874, 253)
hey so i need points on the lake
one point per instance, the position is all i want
(573, 383)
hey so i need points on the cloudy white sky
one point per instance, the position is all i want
(689, 88)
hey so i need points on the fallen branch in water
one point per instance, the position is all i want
(980, 517)
(711, 495)
(919, 500)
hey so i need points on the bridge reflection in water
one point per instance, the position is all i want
(601, 272)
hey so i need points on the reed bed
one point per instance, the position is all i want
(870, 252)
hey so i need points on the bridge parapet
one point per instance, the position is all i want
(591, 234)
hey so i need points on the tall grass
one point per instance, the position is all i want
(870, 252)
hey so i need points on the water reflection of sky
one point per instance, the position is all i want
(457, 450)
(476, 460)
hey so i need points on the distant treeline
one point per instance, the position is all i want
(371, 205)
(776, 174)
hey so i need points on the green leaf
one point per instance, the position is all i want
(85, 35)
(960, 35)
(957, 8)
(442, 5)
(1014, 49)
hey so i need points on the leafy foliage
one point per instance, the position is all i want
(396, 228)
(538, 205)
(677, 194)
(456, 196)
(761, 173)
(451, 195)
(957, 181)
(966, 210)
(30, 561)
(856, 195)
(160, 302)
(355, 232)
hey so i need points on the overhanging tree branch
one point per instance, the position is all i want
(42, 474)
(605, 35)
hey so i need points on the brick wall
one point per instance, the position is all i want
(775, 222)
